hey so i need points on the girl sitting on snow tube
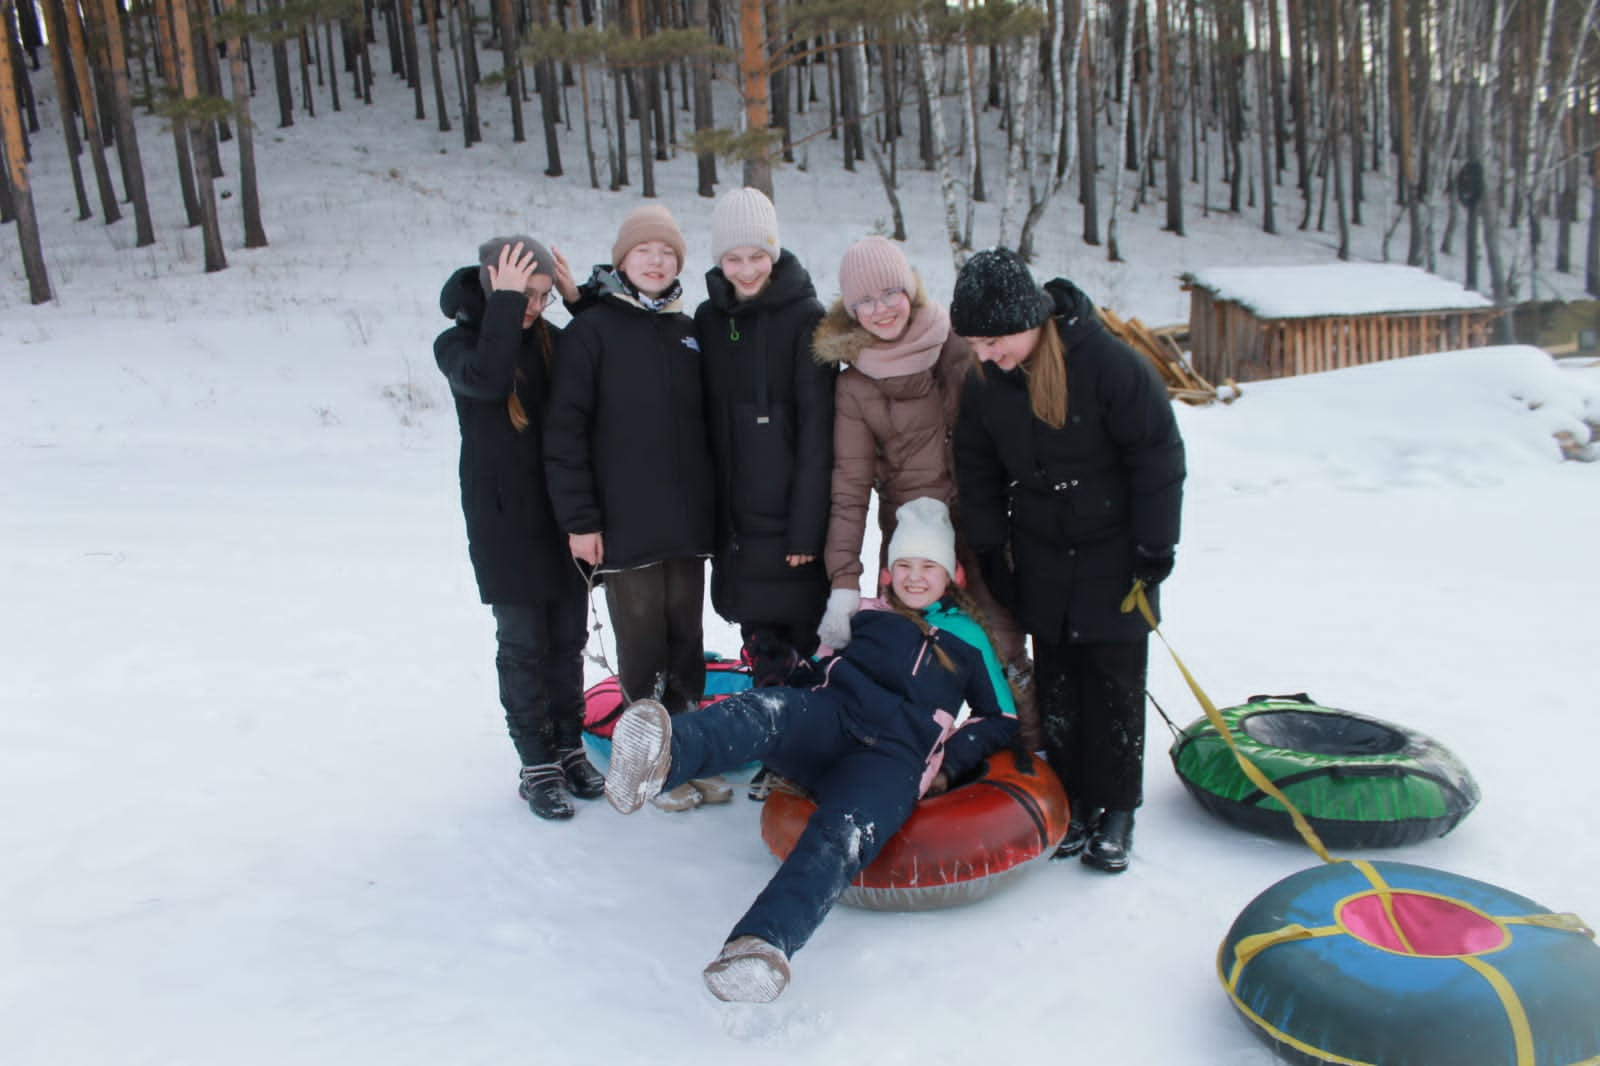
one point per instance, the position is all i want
(885, 725)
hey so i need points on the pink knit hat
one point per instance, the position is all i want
(648, 222)
(871, 266)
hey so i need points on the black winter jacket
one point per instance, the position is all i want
(1073, 502)
(625, 435)
(770, 410)
(519, 554)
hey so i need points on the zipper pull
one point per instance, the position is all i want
(733, 329)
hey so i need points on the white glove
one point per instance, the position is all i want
(835, 628)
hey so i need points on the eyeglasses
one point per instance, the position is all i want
(541, 300)
(886, 299)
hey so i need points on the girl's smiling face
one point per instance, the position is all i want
(652, 266)
(885, 315)
(748, 269)
(918, 582)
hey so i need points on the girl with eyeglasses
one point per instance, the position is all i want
(895, 404)
(497, 359)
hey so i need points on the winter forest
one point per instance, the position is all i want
(1451, 126)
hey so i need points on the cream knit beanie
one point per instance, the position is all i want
(923, 531)
(648, 222)
(870, 267)
(744, 218)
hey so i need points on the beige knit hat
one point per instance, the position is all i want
(870, 267)
(648, 222)
(744, 218)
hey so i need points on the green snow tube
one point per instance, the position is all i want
(1361, 782)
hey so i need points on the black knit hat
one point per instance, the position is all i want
(996, 296)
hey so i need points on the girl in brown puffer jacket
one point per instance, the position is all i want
(895, 405)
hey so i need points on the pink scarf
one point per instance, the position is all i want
(918, 350)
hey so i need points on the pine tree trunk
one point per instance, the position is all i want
(705, 163)
(176, 14)
(512, 68)
(61, 67)
(430, 12)
(1172, 148)
(255, 234)
(1267, 123)
(333, 74)
(91, 119)
(109, 26)
(280, 68)
(1295, 22)
(17, 172)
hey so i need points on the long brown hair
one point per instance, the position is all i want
(519, 417)
(1047, 377)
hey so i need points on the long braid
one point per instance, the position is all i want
(519, 417)
(970, 607)
(917, 619)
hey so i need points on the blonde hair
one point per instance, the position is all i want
(1047, 377)
(519, 417)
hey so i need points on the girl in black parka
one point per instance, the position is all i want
(497, 358)
(629, 468)
(770, 408)
(1070, 470)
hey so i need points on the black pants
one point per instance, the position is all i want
(1091, 706)
(656, 613)
(540, 662)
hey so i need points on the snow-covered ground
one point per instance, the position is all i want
(259, 807)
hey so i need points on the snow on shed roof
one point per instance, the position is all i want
(1342, 289)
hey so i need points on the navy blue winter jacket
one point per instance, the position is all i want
(899, 695)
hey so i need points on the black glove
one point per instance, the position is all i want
(995, 570)
(1152, 565)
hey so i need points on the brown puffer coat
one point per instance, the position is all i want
(894, 434)
(890, 433)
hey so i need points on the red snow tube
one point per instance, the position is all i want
(956, 847)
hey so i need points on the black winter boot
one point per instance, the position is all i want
(1108, 847)
(542, 789)
(583, 780)
(1079, 830)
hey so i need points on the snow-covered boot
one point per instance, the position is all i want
(748, 970)
(641, 755)
(1079, 830)
(542, 790)
(1108, 847)
(683, 798)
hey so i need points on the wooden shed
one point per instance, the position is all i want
(1252, 323)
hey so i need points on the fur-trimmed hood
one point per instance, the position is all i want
(839, 338)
